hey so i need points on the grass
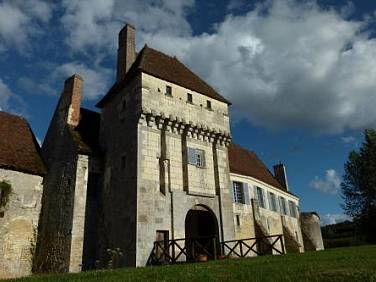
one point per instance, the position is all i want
(342, 264)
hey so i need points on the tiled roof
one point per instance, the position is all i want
(168, 68)
(86, 133)
(247, 163)
(19, 149)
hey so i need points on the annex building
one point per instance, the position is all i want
(156, 163)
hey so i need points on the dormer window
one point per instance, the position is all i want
(189, 98)
(168, 91)
(208, 105)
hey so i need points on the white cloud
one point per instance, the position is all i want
(330, 184)
(5, 95)
(329, 218)
(287, 64)
(20, 20)
(34, 87)
(348, 139)
(96, 80)
(93, 23)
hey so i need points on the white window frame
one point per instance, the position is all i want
(283, 205)
(260, 197)
(198, 158)
(238, 191)
(273, 202)
(292, 208)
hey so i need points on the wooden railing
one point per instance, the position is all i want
(267, 245)
(203, 248)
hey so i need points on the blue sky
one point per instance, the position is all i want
(301, 74)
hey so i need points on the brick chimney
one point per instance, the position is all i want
(126, 51)
(280, 175)
(70, 101)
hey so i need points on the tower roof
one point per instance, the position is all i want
(165, 67)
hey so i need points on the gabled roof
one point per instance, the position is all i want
(168, 68)
(19, 149)
(247, 163)
(86, 133)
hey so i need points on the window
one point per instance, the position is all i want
(168, 91)
(260, 197)
(208, 105)
(196, 157)
(123, 162)
(272, 202)
(189, 98)
(238, 192)
(282, 204)
(292, 207)
(123, 105)
(237, 220)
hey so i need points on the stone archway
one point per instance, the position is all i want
(201, 232)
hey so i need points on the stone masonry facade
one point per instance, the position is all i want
(156, 163)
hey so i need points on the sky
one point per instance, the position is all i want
(301, 75)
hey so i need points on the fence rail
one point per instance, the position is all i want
(202, 248)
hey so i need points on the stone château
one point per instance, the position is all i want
(156, 163)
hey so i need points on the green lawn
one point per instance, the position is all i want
(343, 264)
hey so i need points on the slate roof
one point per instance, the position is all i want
(168, 68)
(19, 149)
(86, 133)
(247, 163)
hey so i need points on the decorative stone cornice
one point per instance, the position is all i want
(177, 125)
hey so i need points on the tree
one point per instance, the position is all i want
(359, 186)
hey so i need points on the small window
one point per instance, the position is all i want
(196, 157)
(208, 105)
(189, 98)
(292, 207)
(238, 192)
(123, 105)
(168, 91)
(237, 220)
(282, 204)
(123, 162)
(260, 197)
(272, 202)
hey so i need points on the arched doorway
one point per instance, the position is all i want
(201, 233)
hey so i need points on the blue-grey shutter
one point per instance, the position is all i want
(191, 156)
(246, 193)
(232, 191)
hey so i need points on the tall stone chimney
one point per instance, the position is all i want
(280, 175)
(70, 102)
(126, 51)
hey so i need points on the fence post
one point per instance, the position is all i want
(215, 248)
(282, 245)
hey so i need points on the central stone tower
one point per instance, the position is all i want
(165, 134)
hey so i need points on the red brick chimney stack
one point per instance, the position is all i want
(126, 50)
(71, 99)
(280, 175)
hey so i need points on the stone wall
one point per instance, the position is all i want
(119, 138)
(271, 221)
(19, 223)
(167, 186)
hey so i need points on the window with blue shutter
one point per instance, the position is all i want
(196, 157)
(246, 194)
(238, 192)
(191, 156)
(260, 197)
(272, 201)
